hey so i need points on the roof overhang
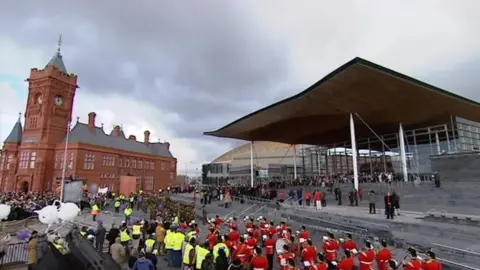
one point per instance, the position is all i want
(320, 115)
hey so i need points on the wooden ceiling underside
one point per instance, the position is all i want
(381, 97)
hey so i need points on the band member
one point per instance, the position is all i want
(291, 265)
(367, 257)
(304, 233)
(330, 248)
(270, 250)
(349, 244)
(431, 263)
(218, 220)
(212, 238)
(241, 252)
(347, 263)
(283, 258)
(251, 243)
(414, 263)
(255, 232)
(233, 235)
(383, 256)
(308, 253)
(320, 264)
(248, 224)
(271, 229)
(259, 262)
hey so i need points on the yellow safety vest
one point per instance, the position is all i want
(201, 254)
(83, 234)
(178, 242)
(219, 246)
(124, 237)
(131, 199)
(149, 243)
(117, 204)
(186, 254)
(60, 248)
(128, 211)
(190, 235)
(95, 208)
(168, 240)
(136, 230)
(176, 220)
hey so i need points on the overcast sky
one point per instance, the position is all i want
(184, 68)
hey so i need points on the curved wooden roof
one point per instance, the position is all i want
(320, 115)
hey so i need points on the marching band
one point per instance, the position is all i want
(297, 251)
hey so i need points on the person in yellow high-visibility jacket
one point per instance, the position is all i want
(95, 211)
(136, 234)
(179, 238)
(218, 246)
(128, 213)
(189, 254)
(169, 243)
(116, 205)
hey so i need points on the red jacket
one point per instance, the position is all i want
(270, 246)
(330, 249)
(282, 259)
(259, 262)
(366, 259)
(346, 264)
(383, 256)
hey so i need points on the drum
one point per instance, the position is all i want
(279, 245)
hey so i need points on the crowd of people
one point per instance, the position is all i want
(24, 204)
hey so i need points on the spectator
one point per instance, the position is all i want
(117, 250)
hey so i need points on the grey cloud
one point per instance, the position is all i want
(212, 61)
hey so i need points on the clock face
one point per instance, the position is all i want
(40, 99)
(58, 101)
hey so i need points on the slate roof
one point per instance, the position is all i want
(57, 61)
(82, 133)
(15, 135)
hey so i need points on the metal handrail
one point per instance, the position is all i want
(457, 249)
(330, 222)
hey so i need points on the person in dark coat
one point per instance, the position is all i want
(112, 235)
(389, 205)
(100, 234)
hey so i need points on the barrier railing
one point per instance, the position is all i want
(14, 254)
(14, 226)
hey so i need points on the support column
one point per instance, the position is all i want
(384, 158)
(354, 152)
(448, 139)
(403, 154)
(437, 143)
(454, 135)
(251, 165)
(294, 162)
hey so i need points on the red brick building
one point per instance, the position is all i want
(32, 156)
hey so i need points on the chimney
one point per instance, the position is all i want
(132, 137)
(116, 131)
(91, 119)
(167, 144)
(146, 139)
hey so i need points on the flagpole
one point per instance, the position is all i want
(64, 162)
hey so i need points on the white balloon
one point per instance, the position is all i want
(48, 214)
(4, 211)
(68, 211)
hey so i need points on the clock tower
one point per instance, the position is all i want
(51, 92)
